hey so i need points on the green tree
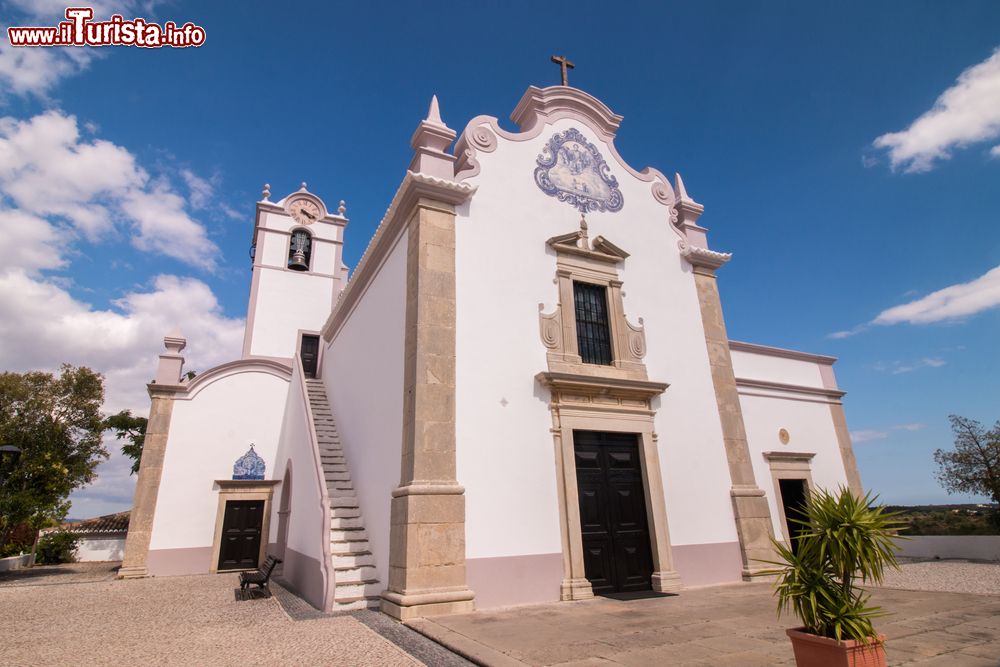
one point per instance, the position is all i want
(56, 424)
(131, 428)
(974, 465)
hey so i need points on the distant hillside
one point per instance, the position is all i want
(959, 519)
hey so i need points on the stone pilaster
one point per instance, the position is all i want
(846, 450)
(750, 509)
(427, 533)
(147, 487)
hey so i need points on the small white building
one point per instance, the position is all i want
(99, 539)
(524, 392)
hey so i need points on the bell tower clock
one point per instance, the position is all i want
(298, 272)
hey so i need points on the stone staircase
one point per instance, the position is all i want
(357, 584)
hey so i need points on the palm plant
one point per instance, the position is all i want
(846, 542)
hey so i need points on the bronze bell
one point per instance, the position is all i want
(297, 262)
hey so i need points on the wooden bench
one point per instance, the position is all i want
(260, 577)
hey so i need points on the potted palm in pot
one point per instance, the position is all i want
(844, 543)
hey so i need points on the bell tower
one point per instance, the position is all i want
(298, 272)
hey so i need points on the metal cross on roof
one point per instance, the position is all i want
(564, 65)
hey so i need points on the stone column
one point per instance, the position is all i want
(427, 533)
(147, 487)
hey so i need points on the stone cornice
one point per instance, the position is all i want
(539, 104)
(767, 350)
(585, 385)
(834, 395)
(790, 456)
(415, 186)
(703, 257)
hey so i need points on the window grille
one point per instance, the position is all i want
(593, 333)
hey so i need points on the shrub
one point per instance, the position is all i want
(56, 548)
(846, 544)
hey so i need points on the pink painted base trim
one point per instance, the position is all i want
(708, 564)
(174, 562)
(514, 580)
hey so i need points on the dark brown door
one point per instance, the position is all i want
(310, 354)
(616, 552)
(793, 500)
(241, 527)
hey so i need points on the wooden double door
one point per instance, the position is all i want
(241, 535)
(613, 519)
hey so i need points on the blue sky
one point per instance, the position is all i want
(128, 176)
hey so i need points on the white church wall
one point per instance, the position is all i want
(292, 300)
(805, 416)
(303, 552)
(505, 451)
(208, 431)
(362, 369)
(811, 430)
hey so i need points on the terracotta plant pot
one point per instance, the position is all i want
(815, 651)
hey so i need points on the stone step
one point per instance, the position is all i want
(334, 492)
(344, 501)
(348, 535)
(346, 523)
(346, 548)
(353, 560)
(351, 592)
(345, 513)
(360, 603)
(355, 573)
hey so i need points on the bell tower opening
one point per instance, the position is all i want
(300, 250)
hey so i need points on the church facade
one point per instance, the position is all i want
(524, 392)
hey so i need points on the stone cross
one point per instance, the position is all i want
(564, 65)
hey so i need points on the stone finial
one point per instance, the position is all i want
(583, 232)
(171, 362)
(266, 194)
(302, 188)
(342, 209)
(688, 210)
(434, 112)
(429, 142)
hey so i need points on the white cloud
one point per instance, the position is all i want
(201, 190)
(916, 426)
(950, 303)
(868, 435)
(899, 367)
(48, 171)
(964, 114)
(37, 71)
(995, 151)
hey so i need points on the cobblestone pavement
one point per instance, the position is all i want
(81, 615)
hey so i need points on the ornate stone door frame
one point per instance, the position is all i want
(600, 404)
(239, 489)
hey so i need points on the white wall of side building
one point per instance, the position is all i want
(806, 416)
(209, 429)
(99, 548)
(505, 454)
(362, 370)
